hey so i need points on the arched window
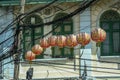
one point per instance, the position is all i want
(30, 35)
(65, 27)
(110, 22)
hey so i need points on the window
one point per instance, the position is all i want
(110, 22)
(64, 28)
(30, 35)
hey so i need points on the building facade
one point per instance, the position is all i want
(54, 64)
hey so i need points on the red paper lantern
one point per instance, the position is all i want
(37, 49)
(52, 40)
(83, 38)
(30, 55)
(44, 43)
(61, 41)
(71, 40)
(98, 35)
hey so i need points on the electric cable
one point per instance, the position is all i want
(55, 27)
(80, 8)
(66, 67)
(61, 19)
(7, 39)
(50, 64)
(16, 19)
(65, 17)
(63, 10)
(56, 63)
(37, 10)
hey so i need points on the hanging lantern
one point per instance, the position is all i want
(30, 56)
(44, 43)
(37, 49)
(71, 41)
(61, 41)
(98, 35)
(52, 40)
(83, 39)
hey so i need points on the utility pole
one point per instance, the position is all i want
(17, 43)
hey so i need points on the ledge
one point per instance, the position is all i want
(41, 61)
(110, 58)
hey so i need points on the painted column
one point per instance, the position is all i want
(85, 26)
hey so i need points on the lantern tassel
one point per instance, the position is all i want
(71, 50)
(98, 44)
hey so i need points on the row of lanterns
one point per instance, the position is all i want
(98, 35)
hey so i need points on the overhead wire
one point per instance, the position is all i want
(66, 66)
(16, 19)
(63, 10)
(48, 33)
(9, 25)
(56, 63)
(81, 65)
(7, 39)
(50, 64)
(82, 8)
(36, 10)
(42, 8)
(56, 26)
(6, 52)
(87, 66)
(61, 19)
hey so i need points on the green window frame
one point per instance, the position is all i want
(110, 22)
(64, 28)
(31, 34)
